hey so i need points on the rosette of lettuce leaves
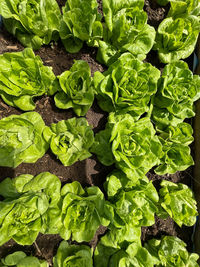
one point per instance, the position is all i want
(121, 248)
(131, 205)
(80, 23)
(171, 251)
(73, 255)
(29, 207)
(77, 91)
(178, 202)
(127, 86)
(23, 77)
(176, 151)
(176, 37)
(21, 139)
(131, 145)
(82, 212)
(70, 140)
(178, 88)
(33, 22)
(20, 259)
(126, 29)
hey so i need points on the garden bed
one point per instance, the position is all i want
(90, 171)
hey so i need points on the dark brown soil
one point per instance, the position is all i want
(89, 171)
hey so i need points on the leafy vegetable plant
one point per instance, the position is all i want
(73, 255)
(126, 29)
(19, 259)
(131, 205)
(126, 87)
(70, 140)
(178, 88)
(176, 38)
(175, 144)
(81, 22)
(21, 139)
(77, 91)
(178, 202)
(23, 77)
(111, 253)
(134, 145)
(34, 22)
(82, 212)
(171, 251)
(30, 206)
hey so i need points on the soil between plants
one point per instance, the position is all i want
(88, 172)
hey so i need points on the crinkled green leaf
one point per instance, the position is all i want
(182, 7)
(126, 87)
(102, 147)
(77, 89)
(70, 140)
(171, 251)
(176, 38)
(19, 259)
(73, 255)
(117, 180)
(126, 29)
(21, 139)
(33, 22)
(82, 212)
(23, 77)
(81, 22)
(29, 207)
(179, 203)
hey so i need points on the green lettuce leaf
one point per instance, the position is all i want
(117, 180)
(82, 212)
(102, 147)
(73, 255)
(126, 29)
(23, 77)
(175, 144)
(176, 38)
(81, 22)
(178, 88)
(30, 206)
(179, 203)
(21, 139)
(77, 90)
(171, 251)
(19, 259)
(70, 140)
(33, 22)
(126, 87)
(182, 7)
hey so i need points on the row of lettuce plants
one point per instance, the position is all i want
(125, 27)
(39, 204)
(156, 252)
